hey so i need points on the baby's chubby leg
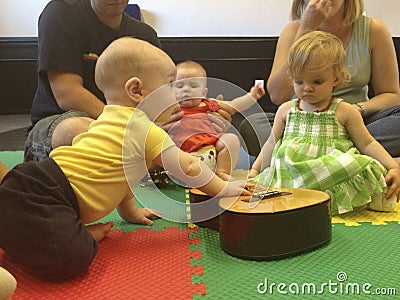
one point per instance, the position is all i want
(228, 148)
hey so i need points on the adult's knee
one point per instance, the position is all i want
(68, 129)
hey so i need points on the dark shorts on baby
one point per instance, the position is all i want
(39, 220)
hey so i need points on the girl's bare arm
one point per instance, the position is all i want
(349, 117)
(263, 160)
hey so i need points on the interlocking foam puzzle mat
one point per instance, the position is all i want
(11, 158)
(178, 261)
(144, 264)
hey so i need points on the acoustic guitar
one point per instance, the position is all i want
(285, 222)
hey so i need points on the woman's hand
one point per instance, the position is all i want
(220, 124)
(315, 13)
(175, 117)
(222, 118)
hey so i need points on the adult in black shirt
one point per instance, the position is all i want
(72, 33)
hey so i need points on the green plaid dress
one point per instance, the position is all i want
(315, 152)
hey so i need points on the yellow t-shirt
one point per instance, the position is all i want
(94, 164)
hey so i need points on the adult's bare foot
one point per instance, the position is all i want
(99, 231)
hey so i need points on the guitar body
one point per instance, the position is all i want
(278, 227)
(196, 196)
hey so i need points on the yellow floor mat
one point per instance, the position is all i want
(363, 214)
(355, 217)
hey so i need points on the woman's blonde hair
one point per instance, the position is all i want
(352, 10)
(321, 47)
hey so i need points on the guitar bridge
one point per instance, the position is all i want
(265, 195)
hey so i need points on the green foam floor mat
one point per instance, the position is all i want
(357, 263)
(11, 158)
(159, 224)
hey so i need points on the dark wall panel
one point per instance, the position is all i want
(18, 80)
(18, 84)
(237, 60)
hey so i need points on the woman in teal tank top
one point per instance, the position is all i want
(371, 58)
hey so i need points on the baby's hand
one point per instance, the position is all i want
(257, 91)
(128, 210)
(250, 185)
(393, 181)
(235, 188)
(144, 216)
(253, 173)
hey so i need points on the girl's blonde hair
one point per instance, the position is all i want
(352, 10)
(321, 47)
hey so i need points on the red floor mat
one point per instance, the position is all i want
(144, 264)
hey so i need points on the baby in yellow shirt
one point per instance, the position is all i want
(56, 198)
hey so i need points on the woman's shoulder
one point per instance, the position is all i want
(379, 32)
(290, 28)
(378, 27)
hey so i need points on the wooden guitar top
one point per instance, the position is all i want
(290, 199)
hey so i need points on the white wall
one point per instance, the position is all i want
(216, 17)
(19, 18)
(196, 17)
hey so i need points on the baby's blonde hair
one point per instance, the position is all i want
(320, 47)
(124, 58)
(190, 64)
(117, 63)
(352, 10)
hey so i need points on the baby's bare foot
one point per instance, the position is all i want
(99, 231)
